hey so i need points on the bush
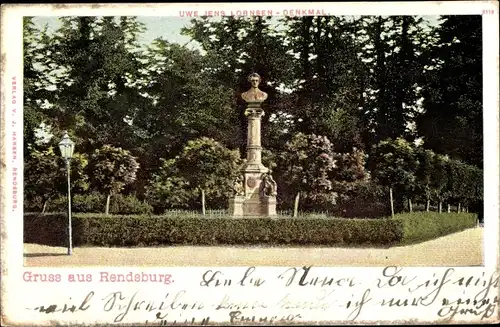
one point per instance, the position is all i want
(423, 226)
(32, 203)
(96, 202)
(363, 199)
(92, 202)
(59, 204)
(119, 230)
(128, 205)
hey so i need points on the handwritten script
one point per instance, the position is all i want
(267, 295)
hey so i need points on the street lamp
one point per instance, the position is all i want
(67, 146)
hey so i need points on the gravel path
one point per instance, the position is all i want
(459, 249)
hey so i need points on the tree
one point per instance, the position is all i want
(95, 93)
(474, 190)
(185, 103)
(304, 170)
(328, 83)
(356, 194)
(41, 171)
(424, 173)
(39, 78)
(45, 174)
(393, 52)
(236, 47)
(392, 163)
(464, 183)
(439, 178)
(168, 188)
(112, 169)
(452, 121)
(204, 168)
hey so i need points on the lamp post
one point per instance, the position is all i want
(67, 146)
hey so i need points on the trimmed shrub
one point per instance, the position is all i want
(423, 226)
(118, 230)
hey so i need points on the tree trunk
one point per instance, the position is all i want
(410, 206)
(428, 205)
(392, 202)
(458, 209)
(380, 78)
(440, 209)
(203, 202)
(44, 206)
(296, 205)
(108, 199)
(449, 208)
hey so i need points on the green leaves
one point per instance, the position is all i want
(354, 81)
(112, 169)
(306, 163)
(42, 169)
(203, 164)
(310, 165)
(45, 174)
(96, 62)
(452, 121)
(417, 171)
(393, 163)
(145, 230)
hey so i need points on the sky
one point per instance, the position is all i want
(156, 27)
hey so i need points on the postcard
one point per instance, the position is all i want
(250, 163)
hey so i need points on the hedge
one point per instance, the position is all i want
(423, 226)
(147, 230)
(117, 230)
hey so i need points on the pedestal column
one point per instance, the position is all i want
(255, 190)
(254, 149)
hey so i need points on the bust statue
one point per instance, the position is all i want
(254, 94)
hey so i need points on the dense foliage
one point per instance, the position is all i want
(205, 167)
(99, 230)
(358, 107)
(146, 230)
(112, 168)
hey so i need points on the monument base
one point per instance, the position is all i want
(239, 206)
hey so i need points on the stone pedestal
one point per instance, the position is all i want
(236, 206)
(254, 200)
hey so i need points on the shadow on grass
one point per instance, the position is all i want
(36, 255)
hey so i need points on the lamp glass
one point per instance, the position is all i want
(66, 146)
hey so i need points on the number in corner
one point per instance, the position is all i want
(488, 12)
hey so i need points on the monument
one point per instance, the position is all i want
(255, 190)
